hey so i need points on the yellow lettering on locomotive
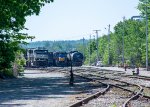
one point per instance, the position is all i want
(61, 59)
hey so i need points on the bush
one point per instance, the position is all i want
(8, 73)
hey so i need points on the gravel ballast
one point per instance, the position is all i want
(39, 88)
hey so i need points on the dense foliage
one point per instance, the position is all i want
(13, 15)
(130, 34)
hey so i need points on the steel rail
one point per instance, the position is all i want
(86, 100)
(138, 77)
(133, 97)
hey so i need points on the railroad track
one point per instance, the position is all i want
(136, 93)
(136, 90)
(100, 93)
(118, 75)
(114, 75)
(86, 100)
(138, 77)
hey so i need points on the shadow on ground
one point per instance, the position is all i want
(37, 88)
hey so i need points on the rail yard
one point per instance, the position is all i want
(93, 87)
(75, 53)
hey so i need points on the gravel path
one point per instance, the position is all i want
(43, 89)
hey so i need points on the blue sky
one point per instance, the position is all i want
(75, 19)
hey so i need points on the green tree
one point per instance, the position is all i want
(13, 15)
(142, 7)
(134, 38)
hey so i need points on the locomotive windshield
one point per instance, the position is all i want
(30, 51)
(41, 54)
(62, 55)
(41, 51)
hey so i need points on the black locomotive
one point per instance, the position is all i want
(60, 59)
(43, 58)
(50, 59)
(76, 58)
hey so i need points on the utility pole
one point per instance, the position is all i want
(123, 42)
(90, 51)
(83, 47)
(109, 44)
(146, 37)
(96, 31)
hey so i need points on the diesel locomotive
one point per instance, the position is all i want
(76, 58)
(36, 57)
(60, 59)
(43, 58)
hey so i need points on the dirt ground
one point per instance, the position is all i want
(41, 89)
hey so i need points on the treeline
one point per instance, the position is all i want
(128, 40)
(54, 46)
(127, 43)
